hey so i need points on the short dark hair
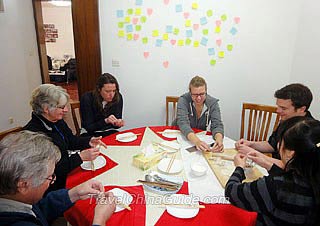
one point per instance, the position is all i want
(299, 94)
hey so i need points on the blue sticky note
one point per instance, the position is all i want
(158, 42)
(189, 33)
(233, 31)
(178, 8)
(204, 41)
(211, 51)
(138, 2)
(129, 28)
(169, 29)
(203, 20)
(120, 13)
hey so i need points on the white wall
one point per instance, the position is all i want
(260, 62)
(19, 62)
(62, 19)
(305, 65)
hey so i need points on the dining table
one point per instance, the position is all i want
(119, 172)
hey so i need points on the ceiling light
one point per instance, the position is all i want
(61, 2)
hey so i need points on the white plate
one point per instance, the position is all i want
(99, 162)
(180, 211)
(175, 168)
(170, 146)
(126, 137)
(170, 133)
(123, 197)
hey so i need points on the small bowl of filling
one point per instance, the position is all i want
(198, 169)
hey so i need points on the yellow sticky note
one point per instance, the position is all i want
(130, 11)
(188, 23)
(213, 62)
(188, 41)
(144, 40)
(195, 5)
(121, 33)
(221, 54)
(165, 36)
(180, 42)
(224, 17)
(138, 11)
(176, 31)
(209, 13)
(218, 29)
(129, 37)
(143, 19)
(155, 33)
(196, 44)
(127, 19)
(230, 47)
(205, 31)
(138, 27)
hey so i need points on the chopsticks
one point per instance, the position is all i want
(165, 146)
(162, 132)
(159, 184)
(171, 162)
(185, 205)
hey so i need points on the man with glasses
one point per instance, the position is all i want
(27, 162)
(197, 109)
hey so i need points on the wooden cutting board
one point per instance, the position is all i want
(222, 166)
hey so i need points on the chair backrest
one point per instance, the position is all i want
(13, 130)
(171, 100)
(76, 116)
(258, 121)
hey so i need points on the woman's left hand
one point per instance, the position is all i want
(218, 146)
(94, 141)
(240, 160)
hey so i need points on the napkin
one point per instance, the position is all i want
(148, 151)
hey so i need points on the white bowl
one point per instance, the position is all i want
(198, 169)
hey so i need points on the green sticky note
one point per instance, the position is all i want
(196, 44)
(188, 23)
(213, 62)
(217, 30)
(205, 31)
(165, 36)
(127, 19)
(130, 11)
(120, 25)
(176, 31)
(209, 13)
(195, 5)
(138, 11)
(144, 40)
(129, 37)
(121, 33)
(221, 54)
(230, 47)
(180, 42)
(188, 41)
(143, 19)
(224, 17)
(155, 33)
(138, 27)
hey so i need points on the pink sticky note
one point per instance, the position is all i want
(196, 26)
(135, 37)
(146, 54)
(166, 2)
(135, 20)
(219, 42)
(237, 20)
(186, 15)
(149, 11)
(165, 64)
(173, 41)
(218, 23)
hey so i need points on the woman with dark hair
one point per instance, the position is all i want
(289, 196)
(101, 109)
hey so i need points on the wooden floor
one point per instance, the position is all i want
(71, 87)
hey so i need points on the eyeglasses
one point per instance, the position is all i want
(198, 94)
(62, 107)
(52, 178)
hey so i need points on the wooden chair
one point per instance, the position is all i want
(171, 100)
(258, 122)
(76, 117)
(13, 130)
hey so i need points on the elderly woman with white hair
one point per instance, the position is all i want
(49, 104)
(27, 162)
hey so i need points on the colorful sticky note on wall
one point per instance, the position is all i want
(204, 41)
(155, 33)
(230, 47)
(217, 29)
(188, 41)
(165, 36)
(130, 11)
(120, 13)
(158, 43)
(196, 44)
(138, 27)
(169, 29)
(127, 19)
(195, 5)
(224, 17)
(203, 20)
(144, 40)
(129, 28)
(188, 23)
(211, 51)
(143, 19)
(138, 2)
(179, 8)
(120, 25)
(189, 33)
(121, 33)
(129, 37)
(176, 31)
(221, 54)
(209, 13)
(180, 42)
(233, 31)
(213, 62)
(205, 31)
(138, 11)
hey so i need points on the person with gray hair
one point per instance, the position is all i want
(49, 104)
(27, 162)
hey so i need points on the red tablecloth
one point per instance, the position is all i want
(81, 214)
(79, 175)
(111, 139)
